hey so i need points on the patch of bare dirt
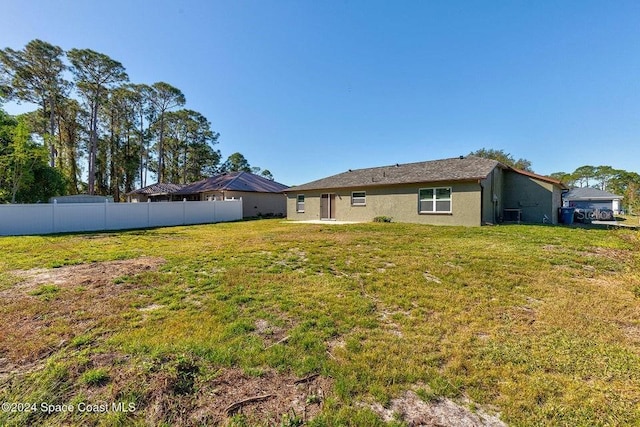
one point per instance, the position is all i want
(631, 331)
(617, 255)
(386, 319)
(81, 299)
(431, 278)
(621, 255)
(94, 274)
(270, 334)
(335, 344)
(385, 266)
(261, 400)
(442, 412)
(185, 391)
(523, 314)
(151, 307)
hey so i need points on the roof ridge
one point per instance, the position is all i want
(593, 191)
(450, 169)
(424, 161)
(226, 187)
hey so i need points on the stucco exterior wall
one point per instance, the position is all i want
(533, 197)
(492, 197)
(137, 198)
(253, 203)
(398, 202)
(556, 203)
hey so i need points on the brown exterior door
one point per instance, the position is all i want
(328, 206)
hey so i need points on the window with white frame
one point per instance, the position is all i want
(358, 198)
(300, 203)
(435, 200)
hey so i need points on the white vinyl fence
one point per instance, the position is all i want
(71, 217)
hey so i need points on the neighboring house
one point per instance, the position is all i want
(154, 193)
(592, 198)
(467, 191)
(260, 196)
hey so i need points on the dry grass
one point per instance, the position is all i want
(536, 324)
(46, 308)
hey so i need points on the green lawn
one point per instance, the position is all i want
(538, 324)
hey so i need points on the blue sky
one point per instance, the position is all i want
(308, 89)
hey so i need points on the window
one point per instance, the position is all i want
(300, 203)
(358, 198)
(435, 200)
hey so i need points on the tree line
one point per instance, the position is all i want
(92, 122)
(606, 178)
(25, 175)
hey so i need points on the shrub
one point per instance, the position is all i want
(382, 219)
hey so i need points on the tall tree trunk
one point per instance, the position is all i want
(52, 125)
(93, 148)
(146, 166)
(161, 150)
(62, 155)
(73, 168)
(142, 147)
(113, 175)
(128, 176)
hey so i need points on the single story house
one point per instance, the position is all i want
(592, 198)
(468, 191)
(260, 196)
(157, 192)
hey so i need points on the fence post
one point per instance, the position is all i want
(53, 216)
(184, 211)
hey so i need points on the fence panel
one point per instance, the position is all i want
(166, 213)
(26, 219)
(228, 211)
(128, 215)
(72, 217)
(69, 217)
(195, 214)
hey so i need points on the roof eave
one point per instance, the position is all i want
(594, 198)
(391, 184)
(539, 177)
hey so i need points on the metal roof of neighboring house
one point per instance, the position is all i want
(588, 193)
(234, 181)
(158, 189)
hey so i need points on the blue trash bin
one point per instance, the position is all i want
(566, 215)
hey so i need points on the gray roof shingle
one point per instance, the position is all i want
(456, 169)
